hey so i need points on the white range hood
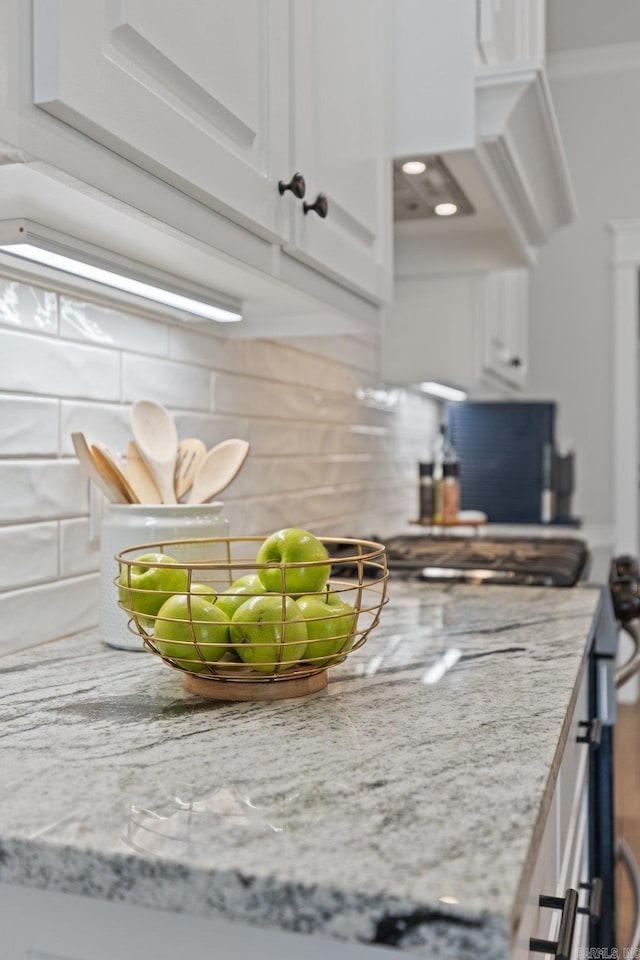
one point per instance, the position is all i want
(494, 128)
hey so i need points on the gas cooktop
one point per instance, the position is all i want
(528, 561)
(545, 561)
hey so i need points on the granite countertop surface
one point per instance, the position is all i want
(418, 778)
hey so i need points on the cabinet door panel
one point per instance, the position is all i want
(506, 321)
(195, 93)
(341, 83)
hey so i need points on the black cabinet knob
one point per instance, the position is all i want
(297, 186)
(515, 362)
(319, 206)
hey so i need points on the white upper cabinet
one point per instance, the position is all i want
(225, 100)
(505, 302)
(196, 93)
(511, 30)
(469, 330)
(341, 102)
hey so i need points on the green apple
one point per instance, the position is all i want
(260, 637)
(181, 619)
(205, 590)
(239, 591)
(331, 623)
(150, 585)
(293, 546)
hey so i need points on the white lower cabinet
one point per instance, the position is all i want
(467, 330)
(562, 857)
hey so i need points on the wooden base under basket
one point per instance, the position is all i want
(285, 689)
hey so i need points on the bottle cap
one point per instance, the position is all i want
(426, 469)
(451, 469)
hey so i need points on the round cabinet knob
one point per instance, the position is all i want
(297, 186)
(515, 362)
(319, 206)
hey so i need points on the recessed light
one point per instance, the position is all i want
(445, 209)
(448, 899)
(414, 166)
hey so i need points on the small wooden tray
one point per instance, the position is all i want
(286, 689)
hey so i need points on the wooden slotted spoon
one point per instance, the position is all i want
(111, 490)
(190, 453)
(217, 469)
(156, 437)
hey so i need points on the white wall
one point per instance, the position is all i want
(571, 329)
(320, 458)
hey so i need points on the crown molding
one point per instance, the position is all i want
(594, 61)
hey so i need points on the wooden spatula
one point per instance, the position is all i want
(139, 477)
(190, 453)
(156, 437)
(104, 483)
(217, 469)
(109, 466)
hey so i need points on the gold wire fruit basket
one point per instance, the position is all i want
(268, 644)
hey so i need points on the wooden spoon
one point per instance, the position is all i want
(190, 453)
(139, 477)
(157, 440)
(217, 469)
(104, 483)
(108, 465)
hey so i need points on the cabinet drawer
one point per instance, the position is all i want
(536, 921)
(572, 777)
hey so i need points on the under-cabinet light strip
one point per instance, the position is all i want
(119, 281)
(443, 391)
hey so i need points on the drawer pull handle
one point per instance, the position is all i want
(297, 186)
(560, 948)
(594, 910)
(319, 206)
(593, 736)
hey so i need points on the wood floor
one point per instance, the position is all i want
(627, 805)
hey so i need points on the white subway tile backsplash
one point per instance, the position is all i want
(100, 422)
(28, 554)
(211, 429)
(200, 348)
(35, 614)
(320, 457)
(27, 307)
(28, 426)
(280, 400)
(108, 327)
(45, 365)
(41, 490)
(77, 554)
(173, 384)
(346, 350)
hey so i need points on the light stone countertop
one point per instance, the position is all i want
(422, 772)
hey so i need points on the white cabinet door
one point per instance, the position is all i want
(196, 93)
(341, 90)
(506, 312)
